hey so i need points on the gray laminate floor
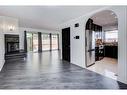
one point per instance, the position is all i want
(46, 71)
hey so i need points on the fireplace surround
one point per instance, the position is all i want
(12, 50)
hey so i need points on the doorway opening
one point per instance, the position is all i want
(101, 37)
(66, 44)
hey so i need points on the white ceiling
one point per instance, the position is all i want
(45, 17)
(107, 19)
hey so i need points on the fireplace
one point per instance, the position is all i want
(12, 51)
(11, 43)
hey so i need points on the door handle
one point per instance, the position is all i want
(86, 41)
(91, 50)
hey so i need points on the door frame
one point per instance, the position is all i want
(118, 38)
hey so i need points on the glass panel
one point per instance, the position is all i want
(29, 42)
(54, 41)
(35, 42)
(45, 42)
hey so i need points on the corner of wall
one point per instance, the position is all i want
(2, 64)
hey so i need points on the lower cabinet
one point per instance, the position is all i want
(111, 51)
(99, 53)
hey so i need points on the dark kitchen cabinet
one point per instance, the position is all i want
(96, 53)
(99, 53)
(111, 51)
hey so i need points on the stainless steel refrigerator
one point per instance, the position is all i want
(90, 47)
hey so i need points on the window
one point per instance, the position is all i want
(35, 42)
(45, 42)
(32, 42)
(29, 41)
(111, 36)
(54, 41)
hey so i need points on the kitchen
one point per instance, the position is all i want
(102, 44)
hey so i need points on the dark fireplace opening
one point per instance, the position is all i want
(12, 47)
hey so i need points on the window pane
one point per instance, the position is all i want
(29, 42)
(35, 42)
(45, 42)
(111, 36)
(54, 42)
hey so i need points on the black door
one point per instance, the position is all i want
(66, 44)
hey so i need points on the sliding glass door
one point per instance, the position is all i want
(45, 42)
(29, 42)
(49, 42)
(54, 41)
(32, 42)
(35, 42)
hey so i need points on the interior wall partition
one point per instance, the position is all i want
(39, 42)
(25, 41)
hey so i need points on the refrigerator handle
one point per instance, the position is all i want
(86, 41)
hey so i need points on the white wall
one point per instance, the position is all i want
(1, 51)
(1, 45)
(78, 46)
(21, 31)
(5, 23)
